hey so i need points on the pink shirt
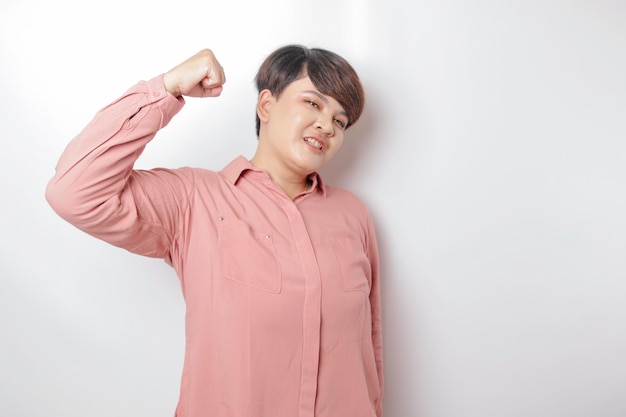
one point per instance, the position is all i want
(283, 315)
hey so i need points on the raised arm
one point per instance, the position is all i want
(95, 187)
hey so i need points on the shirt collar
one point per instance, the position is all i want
(236, 169)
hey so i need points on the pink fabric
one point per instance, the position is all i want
(283, 311)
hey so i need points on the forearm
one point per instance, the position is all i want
(95, 167)
(377, 340)
(376, 308)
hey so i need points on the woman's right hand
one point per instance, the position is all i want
(199, 76)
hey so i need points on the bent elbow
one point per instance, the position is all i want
(56, 197)
(65, 201)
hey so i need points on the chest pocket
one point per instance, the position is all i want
(248, 257)
(354, 266)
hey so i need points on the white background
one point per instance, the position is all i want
(492, 154)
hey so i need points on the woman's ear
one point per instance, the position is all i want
(264, 105)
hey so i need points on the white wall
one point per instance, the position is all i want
(492, 155)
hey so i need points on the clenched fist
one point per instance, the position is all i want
(199, 76)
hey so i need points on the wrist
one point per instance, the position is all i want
(170, 86)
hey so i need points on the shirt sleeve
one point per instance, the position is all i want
(375, 303)
(95, 187)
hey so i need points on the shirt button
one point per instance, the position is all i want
(221, 219)
(268, 237)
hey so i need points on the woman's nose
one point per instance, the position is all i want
(325, 125)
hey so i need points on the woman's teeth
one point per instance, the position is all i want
(313, 142)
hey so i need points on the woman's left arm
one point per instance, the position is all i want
(375, 304)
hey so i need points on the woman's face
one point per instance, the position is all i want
(303, 128)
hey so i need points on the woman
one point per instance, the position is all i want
(279, 271)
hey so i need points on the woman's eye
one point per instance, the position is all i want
(340, 123)
(312, 103)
